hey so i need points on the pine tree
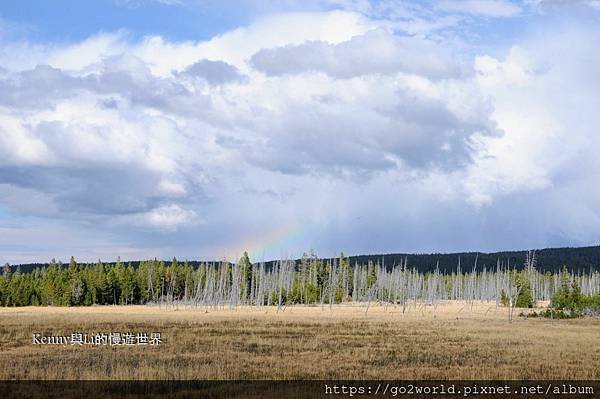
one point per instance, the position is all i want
(524, 294)
(575, 297)
(246, 275)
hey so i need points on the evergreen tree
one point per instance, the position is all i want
(246, 274)
(524, 294)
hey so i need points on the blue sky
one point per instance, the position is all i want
(200, 129)
(69, 20)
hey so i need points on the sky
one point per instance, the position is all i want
(203, 129)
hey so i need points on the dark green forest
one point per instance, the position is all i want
(98, 283)
(577, 260)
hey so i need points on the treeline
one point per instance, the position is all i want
(579, 260)
(83, 284)
(309, 281)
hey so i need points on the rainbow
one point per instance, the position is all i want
(272, 243)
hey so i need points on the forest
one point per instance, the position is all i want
(310, 281)
(577, 259)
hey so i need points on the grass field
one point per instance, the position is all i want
(453, 341)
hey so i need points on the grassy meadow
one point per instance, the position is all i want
(452, 341)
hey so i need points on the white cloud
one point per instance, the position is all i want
(376, 52)
(487, 8)
(236, 46)
(544, 6)
(19, 146)
(324, 122)
(543, 93)
(167, 217)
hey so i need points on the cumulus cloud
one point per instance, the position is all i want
(94, 142)
(165, 218)
(358, 136)
(544, 105)
(372, 103)
(376, 52)
(99, 131)
(214, 72)
(360, 125)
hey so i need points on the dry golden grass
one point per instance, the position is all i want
(453, 341)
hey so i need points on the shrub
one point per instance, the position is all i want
(568, 302)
